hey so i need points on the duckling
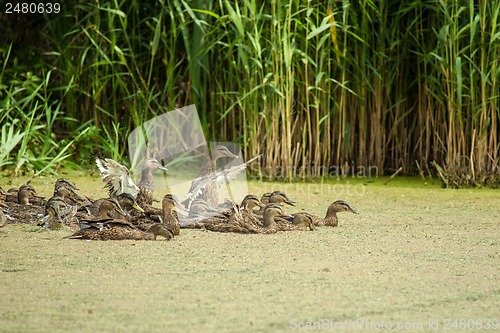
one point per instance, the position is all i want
(249, 202)
(25, 194)
(265, 198)
(331, 218)
(10, 195)
(160, 229)
(170, 217)
(117, 179)
(300, 221)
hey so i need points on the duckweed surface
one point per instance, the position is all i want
(416, 256)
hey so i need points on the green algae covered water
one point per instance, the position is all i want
(416, 255)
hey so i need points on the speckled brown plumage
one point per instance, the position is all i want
(58, 214)
(331, 218)
(29, 209)
(3, 218)
(271, 224)
(120, 230)
(110, 224)
(246, 221)
(167, 216)
(118, 181)
(146, 185)
(231, 220)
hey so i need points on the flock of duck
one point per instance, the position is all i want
(128, 212)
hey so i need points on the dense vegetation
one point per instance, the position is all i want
(311, 85)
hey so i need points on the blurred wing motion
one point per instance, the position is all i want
(116, 177)
(225, 175)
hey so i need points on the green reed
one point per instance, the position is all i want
(313, 86)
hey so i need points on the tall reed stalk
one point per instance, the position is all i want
(318, 88)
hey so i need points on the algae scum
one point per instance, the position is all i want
(416, 256)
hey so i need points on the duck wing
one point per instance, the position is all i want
(117, 177)
(227, 175)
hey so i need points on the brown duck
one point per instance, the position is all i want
(25, 194)
(126, 205)
(28, 210)
(239, 219)
(245, 220)
(331, 218)
(58, 214)
(105, 226)
(3, 217)
(118, 180)
(120, 230)
(277, 197)
(271, 224)
(167, 216)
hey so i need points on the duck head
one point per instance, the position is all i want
(271, 211)
(62, 182)
(251, 201)
(25, 193)
(340, 206)
(222, 151)
(280, 197)
(169, 202)
(127, 202)
(153, 164)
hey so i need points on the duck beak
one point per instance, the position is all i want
(290, 202)
(163, 168)
(137, 207)
(231, 155)
(285, 214)
(352, 210)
